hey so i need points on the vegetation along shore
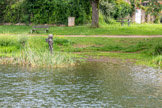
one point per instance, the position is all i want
(33, 50)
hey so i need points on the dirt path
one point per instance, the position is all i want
(107, 36)
(115, 36)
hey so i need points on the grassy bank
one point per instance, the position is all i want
(145, 51)
(115, 29)
(32, 52)
(28, 50)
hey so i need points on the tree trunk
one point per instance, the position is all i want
(95, 13)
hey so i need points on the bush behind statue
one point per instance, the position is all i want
(46, 11)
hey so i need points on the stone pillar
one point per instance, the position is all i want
(71, 21)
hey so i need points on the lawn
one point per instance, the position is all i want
(143, 50)
(116, 29)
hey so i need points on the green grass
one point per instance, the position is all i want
(158, 60)
(143, 50)
(34, 58)
(31, 51)
(115, 29)
(138, 58)
(81, 44)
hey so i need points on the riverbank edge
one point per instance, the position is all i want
(13, 61)
(84, 44)
(134, 58)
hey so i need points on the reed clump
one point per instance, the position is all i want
(32, 51)
(33, 58)
(36, 58)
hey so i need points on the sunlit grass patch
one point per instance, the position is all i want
(158, 60)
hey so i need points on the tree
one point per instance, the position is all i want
(3, 4)
(154, 8)
(123, 9)
(95, 13)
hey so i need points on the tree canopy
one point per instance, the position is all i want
(46, 11)
(57, 11)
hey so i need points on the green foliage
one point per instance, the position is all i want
(14, 12)
(4, 49)
(10, 44)
(61, 41)
(32, 51)
(133, 7)
(23, 41)
(111, 48)
(34, 58)
(158, 60)
(7, 42)
(35, 52)
(107, 9)
(123, 9)
(137, 47)
(3, 4)
(47, 11)
(158, 49)
(114, 10)
(154, 8)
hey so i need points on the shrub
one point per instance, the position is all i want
(47, 11)
(8, 49)
(123, 9)
(107, 9)
(114, 10)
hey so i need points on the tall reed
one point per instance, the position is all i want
(33, 58)
(31, 51)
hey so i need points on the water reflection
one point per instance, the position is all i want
(90, 84)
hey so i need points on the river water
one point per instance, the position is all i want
(88, 85)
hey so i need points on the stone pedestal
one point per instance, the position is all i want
(71, 21)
